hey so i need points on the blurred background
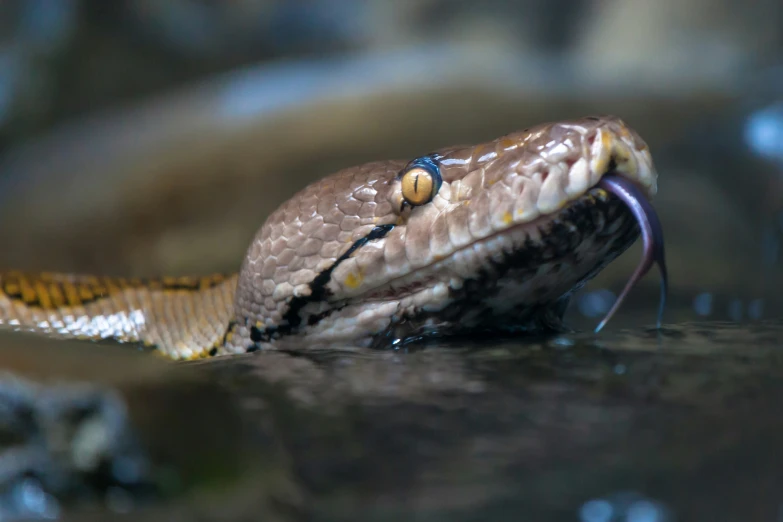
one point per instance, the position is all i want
(143, 137)
(149, 137)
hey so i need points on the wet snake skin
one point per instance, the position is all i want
(514, 226)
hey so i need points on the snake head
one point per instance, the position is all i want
(486, 238)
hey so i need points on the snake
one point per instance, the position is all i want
(484, 239)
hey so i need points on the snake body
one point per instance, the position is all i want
(509, 230)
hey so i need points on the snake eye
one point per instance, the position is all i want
(420, 181)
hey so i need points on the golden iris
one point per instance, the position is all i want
(420, 181)
(417, 185)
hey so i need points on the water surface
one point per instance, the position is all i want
(643, 425)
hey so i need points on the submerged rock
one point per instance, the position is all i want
(65, 442)
(104, 426)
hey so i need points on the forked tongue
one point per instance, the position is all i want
(652, 239)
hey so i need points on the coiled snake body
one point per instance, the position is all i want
(493, 237)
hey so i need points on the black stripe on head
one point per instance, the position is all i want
(318, 292)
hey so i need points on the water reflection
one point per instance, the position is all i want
(624, 507)
(591, 304)
(702, 304)
(547, 428)
(764, 132)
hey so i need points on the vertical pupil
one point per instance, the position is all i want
(416, 184)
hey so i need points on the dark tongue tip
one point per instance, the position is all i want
(652, 239)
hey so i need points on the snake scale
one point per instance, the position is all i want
(472, 239)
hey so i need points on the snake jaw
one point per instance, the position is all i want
(508, 282)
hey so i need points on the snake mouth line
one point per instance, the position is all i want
(626, 190)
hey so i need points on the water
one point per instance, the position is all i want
(632, 425)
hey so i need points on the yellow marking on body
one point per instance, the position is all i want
(187, 281)
(508, 144)
(50, 291)
(112, 287)
(260, 324)
(85, 293)
(353, 280)
(71, 294)
(508, 218)
(12, 289)
(43, 294)
(201, 354)
(56, 293)
(229, 335)
(26, 290)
